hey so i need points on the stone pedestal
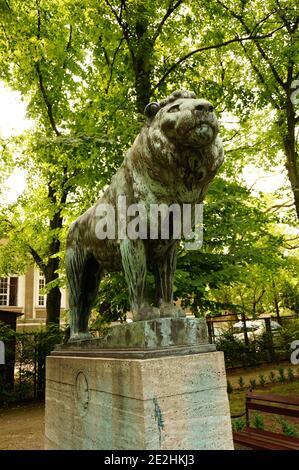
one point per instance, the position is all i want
(153, 396)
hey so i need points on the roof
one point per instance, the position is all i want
(16, 313)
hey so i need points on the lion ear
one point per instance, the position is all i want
(151, 110)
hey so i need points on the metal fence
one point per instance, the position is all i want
(22, 377)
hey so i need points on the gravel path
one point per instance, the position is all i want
(22, 427)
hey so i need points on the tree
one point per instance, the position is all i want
(82, 80)
(274, 63)
(43, 68)
(238, 247)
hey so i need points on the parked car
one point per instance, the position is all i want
(255, 328)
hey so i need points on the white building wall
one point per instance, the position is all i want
(64, 299)
(21, 292)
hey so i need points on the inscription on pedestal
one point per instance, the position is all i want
(82, 393)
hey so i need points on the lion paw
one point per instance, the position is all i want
(171, 310)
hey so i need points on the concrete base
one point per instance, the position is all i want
(170, 402)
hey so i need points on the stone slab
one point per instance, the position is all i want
(174, 402)
(134, 353)
(153, 334)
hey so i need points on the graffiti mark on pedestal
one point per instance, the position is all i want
(159, 419)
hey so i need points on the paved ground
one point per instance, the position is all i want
(22, 427)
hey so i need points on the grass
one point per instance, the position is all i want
(249, 373)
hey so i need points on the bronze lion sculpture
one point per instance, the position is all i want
(172, 161)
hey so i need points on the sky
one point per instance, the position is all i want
(13, 121)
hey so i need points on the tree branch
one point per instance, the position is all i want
(123, 25)
(279, 206)
(259, 24)
(269, 62)
(7, 5)
(68, 46)
(256, 301)
(231, 138)
(207, 48)
(112, 64)
(255, 147)
(287, 24)
(40, 80)
(46, 100)
(259, 47)
(38, 21)
(260, 76)
(168, 13)
(105, 53)
(38, 260)
(292, 239)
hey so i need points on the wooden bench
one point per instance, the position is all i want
(259, 439)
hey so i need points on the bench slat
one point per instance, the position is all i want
(256, 442)
(273, 434)
(273, 409)
(290, 441)
(274, 398)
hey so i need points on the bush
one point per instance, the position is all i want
(281, 372)
(287, 429)
(272, 376)
(236, 352)
(291, 375)
(262, 380)
(258, 421)
(285, 335)
(238, 424)
(8, 336)
(112, 301)
(252, 383)
(241, 383)
(229, 387)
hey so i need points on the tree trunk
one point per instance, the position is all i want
(256, 301)
(142, 62)
(246, 339)
(53, 306)
(51, 269)
(54, 295)
(292, 163)
(276, 304)
(142, 85)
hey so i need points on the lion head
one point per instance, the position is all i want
(178, 150)
(184, 119)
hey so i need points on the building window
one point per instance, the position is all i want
(41, 286)
(9, 291)
(13, 291)
(4, 291)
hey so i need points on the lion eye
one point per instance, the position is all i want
(174, 109)
(211, 109)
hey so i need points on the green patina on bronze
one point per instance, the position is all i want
(159, 336)
(172, 161)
